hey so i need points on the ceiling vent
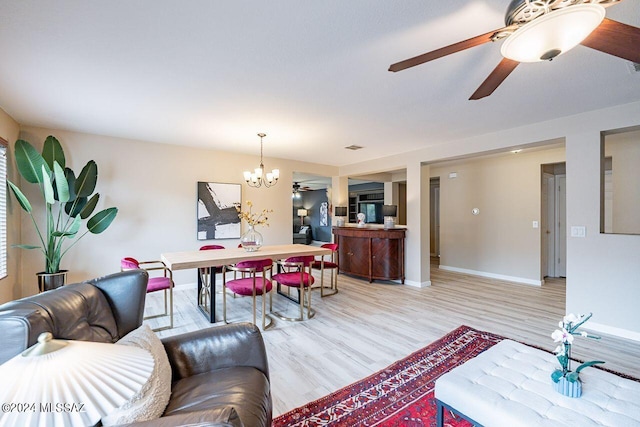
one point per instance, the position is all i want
(354, 147)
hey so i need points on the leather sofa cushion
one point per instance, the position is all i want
(243, 388)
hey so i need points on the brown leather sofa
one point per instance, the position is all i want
(220, 374)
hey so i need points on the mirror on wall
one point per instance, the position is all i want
(620, 175)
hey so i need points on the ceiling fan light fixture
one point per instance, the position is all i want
(553, 34)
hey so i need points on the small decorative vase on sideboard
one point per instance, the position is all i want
(251, 241)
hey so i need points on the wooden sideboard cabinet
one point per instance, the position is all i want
(372, 253)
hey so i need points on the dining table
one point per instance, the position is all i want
(207, 262)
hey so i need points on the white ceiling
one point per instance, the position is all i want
(312, 75)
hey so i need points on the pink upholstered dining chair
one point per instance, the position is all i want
(332, 266)
(253, 282)
(155, 284)
(296, 273)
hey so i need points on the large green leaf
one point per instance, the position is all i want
(100, 221)
(86, 182)
(62, 187)
(556, 375)
(89, 206)
(29, 162)
(74, 208)
(71, 231)
(26, 246)
(71, 181)
(52, 152)
(47, 187)
(22, 199)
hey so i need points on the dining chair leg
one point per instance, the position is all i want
(171, 307)
(254, 307)
(224, 301)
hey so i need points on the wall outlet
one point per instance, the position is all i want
(536, 224)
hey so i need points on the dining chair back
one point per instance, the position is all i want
(295, 272)
(333, 267)
(253, 282)
(156, 283)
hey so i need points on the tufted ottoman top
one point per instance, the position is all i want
(510, 385)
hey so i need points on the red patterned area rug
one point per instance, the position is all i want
(401, 394)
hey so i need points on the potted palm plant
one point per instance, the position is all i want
(68, 201)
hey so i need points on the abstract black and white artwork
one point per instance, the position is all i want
(217, 214)
(324, 220)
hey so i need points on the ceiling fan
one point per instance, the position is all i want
(539, 30)
(297, 189)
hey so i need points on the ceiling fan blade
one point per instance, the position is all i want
(497, 76)
(617, 39)
(443, 51)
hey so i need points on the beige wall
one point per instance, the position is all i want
(10, 285)
(501, 240)
(624, 150)
(602, 270)
(154, 187)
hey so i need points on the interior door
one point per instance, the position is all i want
(548, 229)
(561, 221)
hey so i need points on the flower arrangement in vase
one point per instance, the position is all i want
(251, 240)
(565, 380)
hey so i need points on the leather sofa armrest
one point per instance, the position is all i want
(126, 293)
(20, 328)
(206, 350)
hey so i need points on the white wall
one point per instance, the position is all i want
(10, 285)
(154, 187)
(500, 241)
(603, 271)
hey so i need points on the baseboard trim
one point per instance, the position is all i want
(417, 284)
(611, 330)
(515, 279)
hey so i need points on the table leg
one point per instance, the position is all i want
(207, 293)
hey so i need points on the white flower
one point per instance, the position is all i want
(584, 334)
(559, 350)
(562, 336)
(560, 325)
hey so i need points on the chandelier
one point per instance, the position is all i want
(258, 177)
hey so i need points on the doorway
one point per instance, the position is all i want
(434, 203)
(554, 214)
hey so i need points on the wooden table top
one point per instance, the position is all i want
(217, 257)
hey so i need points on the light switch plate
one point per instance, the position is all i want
(536, 224)
(578, 231)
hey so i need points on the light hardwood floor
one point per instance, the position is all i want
(366, 327)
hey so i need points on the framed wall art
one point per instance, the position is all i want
(216, 210)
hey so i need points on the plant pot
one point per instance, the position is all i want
(568, 388)
(251, 241)
(48, 281)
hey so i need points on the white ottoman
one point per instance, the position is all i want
(510, 385)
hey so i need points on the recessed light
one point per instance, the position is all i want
(515, 151)
(354, 147)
